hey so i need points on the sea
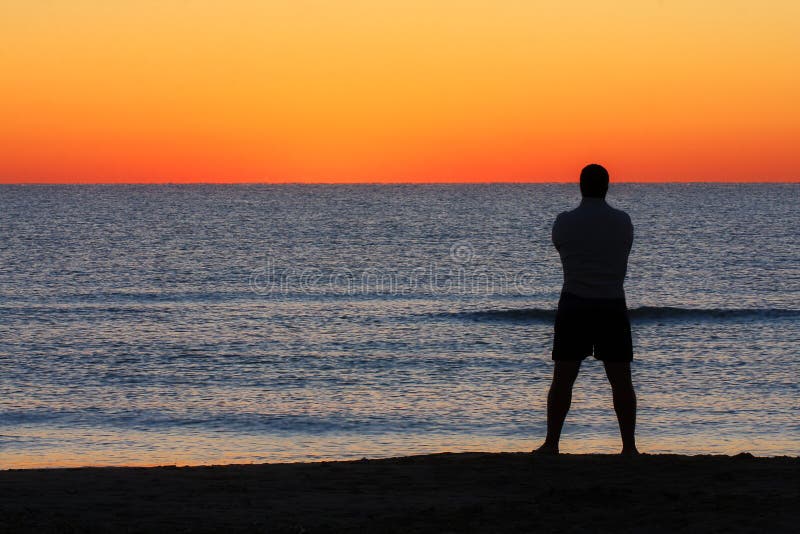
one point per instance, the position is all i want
(209, 324)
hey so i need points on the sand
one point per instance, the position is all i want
(472, 492)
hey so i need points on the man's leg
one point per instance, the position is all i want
(559, 399)
(619, 375)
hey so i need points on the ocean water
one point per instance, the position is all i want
(205, 324)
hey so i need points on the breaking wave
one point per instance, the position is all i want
(644, 313)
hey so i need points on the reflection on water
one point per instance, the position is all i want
(143, 449)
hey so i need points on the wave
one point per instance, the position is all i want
(643, 313)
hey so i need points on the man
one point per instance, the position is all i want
(594, 241)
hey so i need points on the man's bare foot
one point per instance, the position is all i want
(546, 450)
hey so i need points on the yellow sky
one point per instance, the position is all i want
(440, 90)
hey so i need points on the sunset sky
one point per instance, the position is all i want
(398, 90)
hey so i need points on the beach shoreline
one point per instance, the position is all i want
(447, 492)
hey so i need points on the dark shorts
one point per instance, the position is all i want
(592, 326)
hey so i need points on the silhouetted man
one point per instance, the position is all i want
(594, 241)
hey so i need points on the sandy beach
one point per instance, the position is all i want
(470, 492)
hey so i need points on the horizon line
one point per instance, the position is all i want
(433, 182)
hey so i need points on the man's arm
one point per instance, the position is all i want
(630, 233)
(556, 233)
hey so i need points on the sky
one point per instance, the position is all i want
(398, 90)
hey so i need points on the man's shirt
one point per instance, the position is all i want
(594, 241)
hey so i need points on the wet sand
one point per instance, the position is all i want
(472, 492)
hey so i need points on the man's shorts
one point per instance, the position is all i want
(587, 326)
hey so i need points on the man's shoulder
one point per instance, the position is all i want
(619, 214)
(563, 214)
(563, 217)
(581, 213)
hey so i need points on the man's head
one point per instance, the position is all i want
(594, 181)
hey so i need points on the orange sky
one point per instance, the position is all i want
(398, 90)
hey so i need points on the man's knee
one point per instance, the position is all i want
(565, 373)
(619, 374)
